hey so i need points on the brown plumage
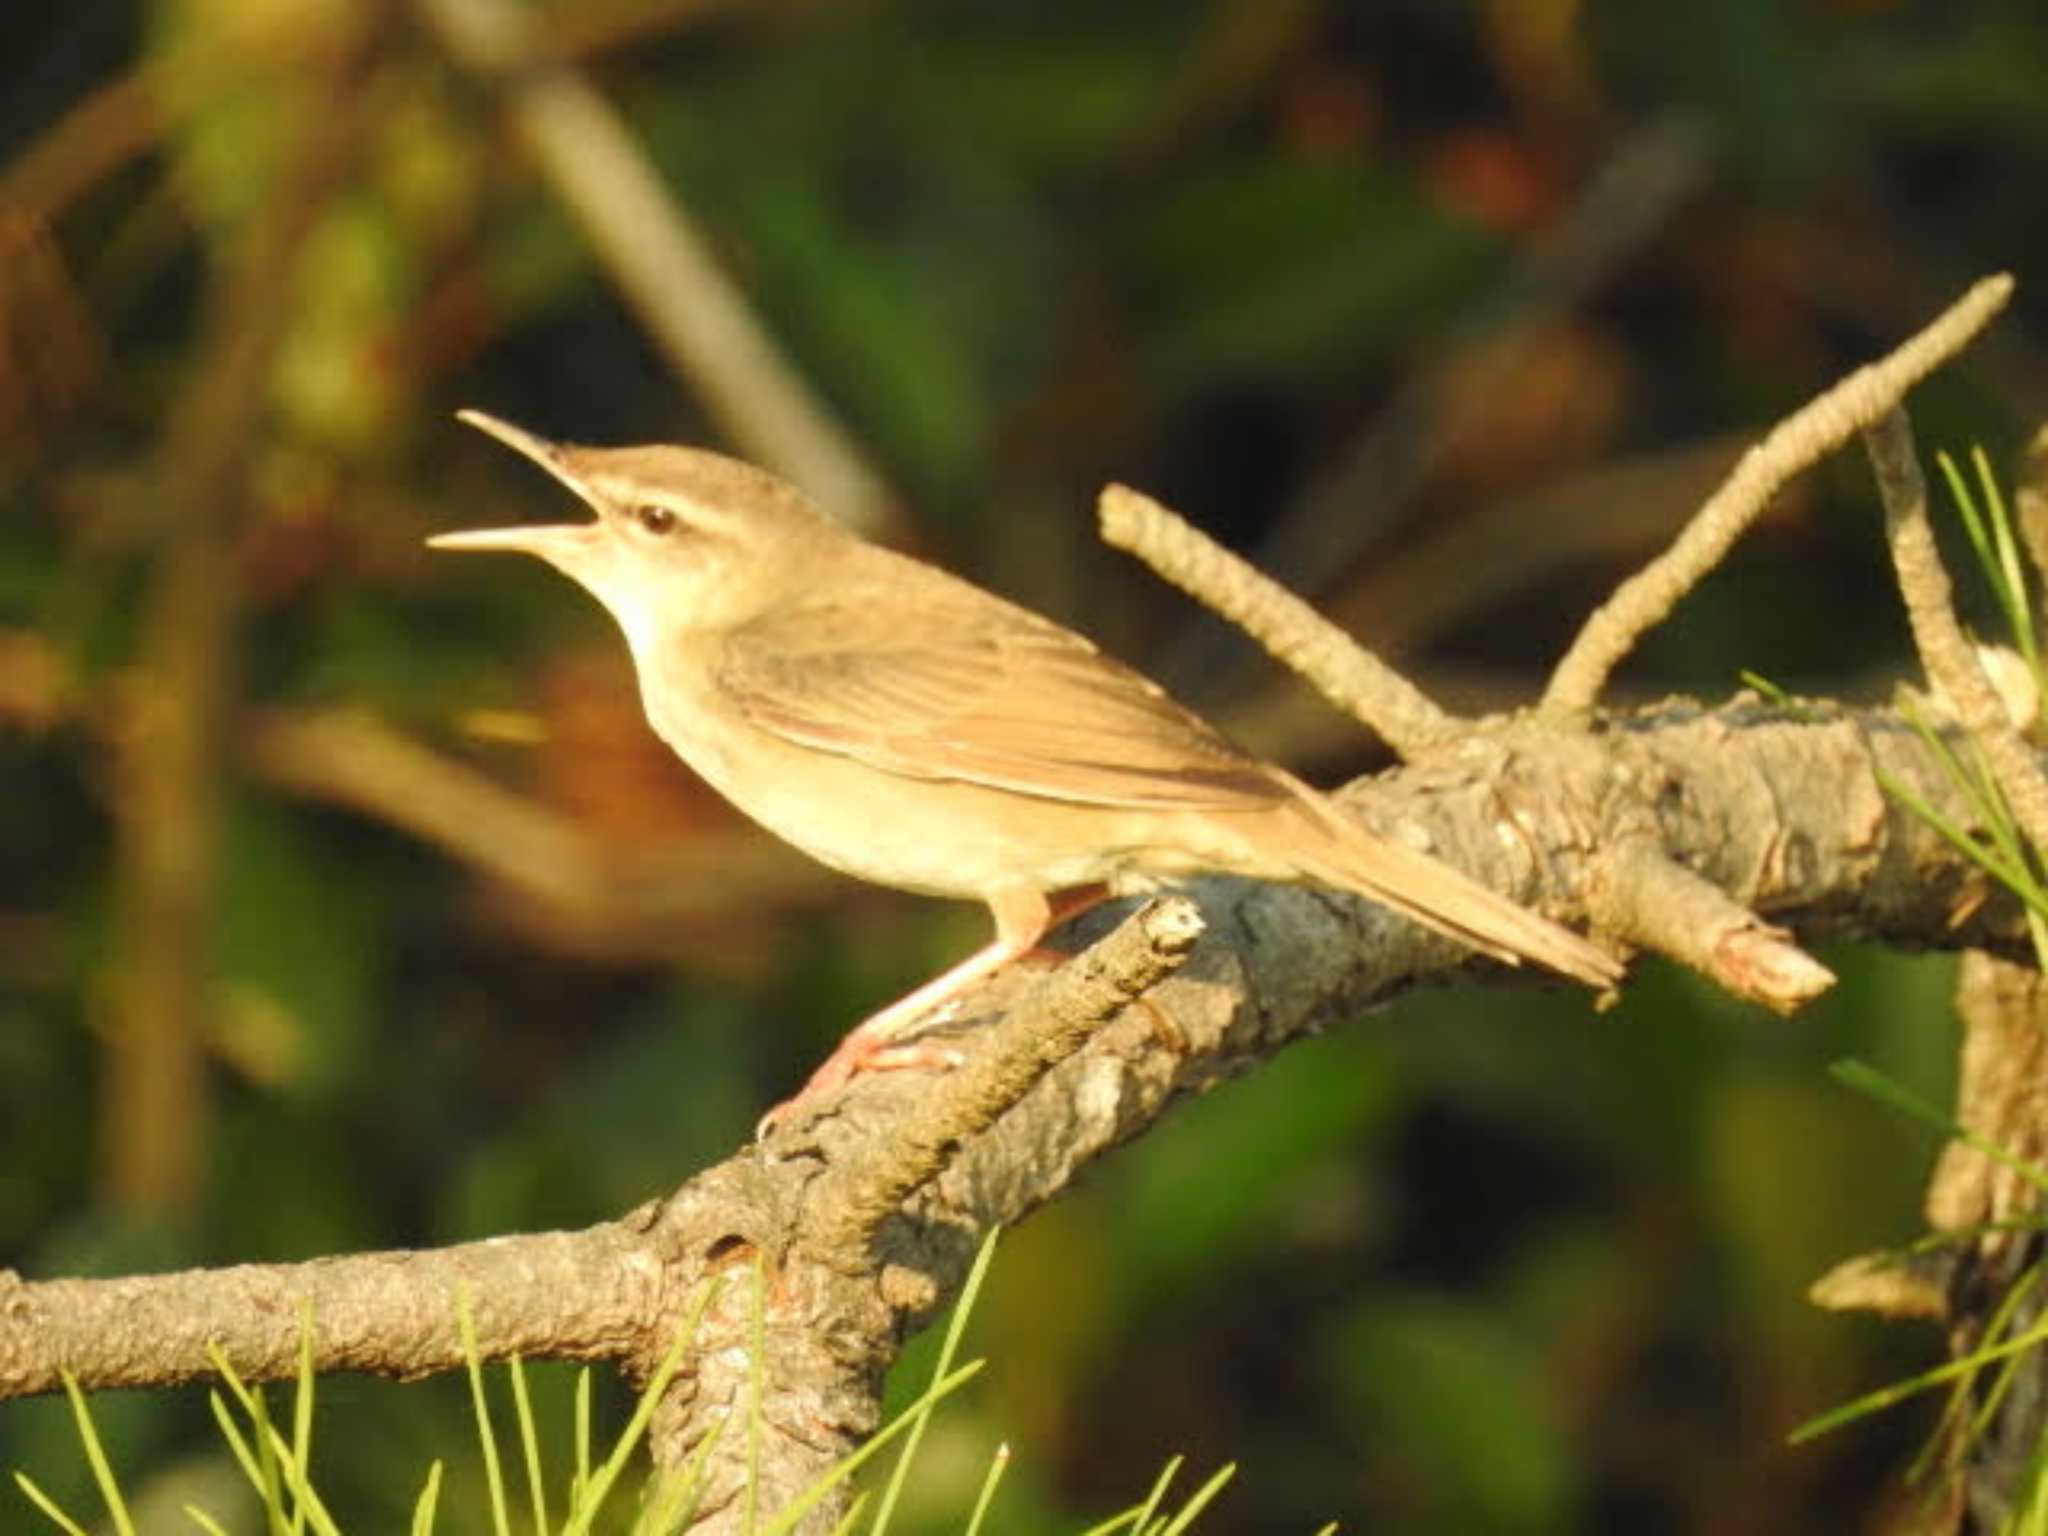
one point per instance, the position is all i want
(903, 725)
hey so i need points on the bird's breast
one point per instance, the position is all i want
(941, 837)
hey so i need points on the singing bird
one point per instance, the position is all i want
(907, 727)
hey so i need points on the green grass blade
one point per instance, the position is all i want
(1997, 812)
(949, 1346)
(599, 1485)
(1980, 787)
(997, 1465)
(1912, 1386)
(275, 1453)
(1945, 1444)
(1966, 509)
(2014, 879)
(529, 1444)
(851, 1518)
(1204, 1496)
(793, 1514)
(48, 1506)
(274, 1479)
(1158, 1494)
(1116, 1523)
(1757, 683)
(1867, 1079)
(429, 1503)
(669, 1504)
(2015, 851)
(301, 1490)
(204, 1521)
(96, 1457)
(1990, 541)
(679, 1492)
(1138, 1518)
(302, 1412)
(268, 1460)
(581, 1481)
(486, 1432)
(1991, 537)
(2008, 1371)
(2013, 575)
(258, 1464)
(231, 1432)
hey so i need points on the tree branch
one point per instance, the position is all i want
(1339, 668)
(1780, 811)
(1643, 601)
(1946, 652)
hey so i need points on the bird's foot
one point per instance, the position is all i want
(1022, 918)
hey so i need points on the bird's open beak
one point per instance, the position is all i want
(539, 539)
(544, 453)
(547, 540)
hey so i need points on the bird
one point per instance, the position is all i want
(902, 725)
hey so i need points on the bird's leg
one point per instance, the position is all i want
(1023, 917)
(1063, 907)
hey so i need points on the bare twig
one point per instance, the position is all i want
(1654, 901)
(1816, 429)
(1030, 1040)
(1343, 671)
(1657, 168)
(1951, 661)
(664, 265)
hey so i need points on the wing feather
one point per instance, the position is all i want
(983, 692)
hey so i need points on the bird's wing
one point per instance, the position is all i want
(980, 691)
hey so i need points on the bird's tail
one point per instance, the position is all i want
(1335, 850)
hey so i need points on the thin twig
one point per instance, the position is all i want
(1033, 1038)
(1951, 661)
(664, 265)
(1654, 171)
(1643, 601)
(1353, 679)
(575, 1295)
(1654, 901)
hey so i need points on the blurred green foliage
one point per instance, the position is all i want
(1483, 1262)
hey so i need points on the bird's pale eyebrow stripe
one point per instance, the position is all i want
(697, 516)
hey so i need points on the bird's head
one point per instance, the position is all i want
(683, 538)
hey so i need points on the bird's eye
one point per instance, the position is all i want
(656, 520)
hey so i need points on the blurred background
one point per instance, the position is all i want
(345, 901)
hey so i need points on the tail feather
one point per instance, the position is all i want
(1337, 851)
